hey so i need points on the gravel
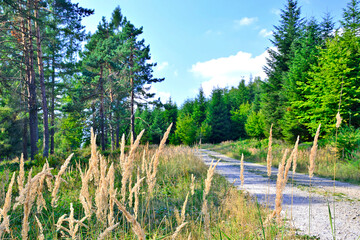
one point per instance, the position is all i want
(346, 198)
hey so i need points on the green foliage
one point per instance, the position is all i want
(70, 134)
(348, 143)
(238, 118)
(255, 125)
(186, 129)
(200, 105)
(218, 117)
(203, 133)
(284, 38)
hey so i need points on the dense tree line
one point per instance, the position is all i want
(51, 85)
(312, 73)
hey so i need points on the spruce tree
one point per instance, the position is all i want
(218, 117)
(278, 64)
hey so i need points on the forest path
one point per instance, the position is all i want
(346, 197)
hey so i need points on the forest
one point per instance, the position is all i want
(57, 81)
(88, 152)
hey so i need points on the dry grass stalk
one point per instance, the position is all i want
(134, 224)
(209, 177)
(41, 231)
(73, 223)
(48, 180)
(84, 196)
(269, 154)
(279, 189)
(128, 166)
(122, 152)
(112, 193)
(313, 153)
(20, 178)
(177, 231)
(204, 209)
(27, 197)
(183, 210)
(137, 192)
(192, 186)
(93, 170)
(101, 194)
(177, 216)
(189, 237)
(58, 180)
(338, 120)
(40, 201)
(131, 193)
(143, 162)
(296, 151)
(5, 225)
(242, 170)
(151, 175)
(87, 176)
(107, 231)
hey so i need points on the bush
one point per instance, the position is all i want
(348, 142)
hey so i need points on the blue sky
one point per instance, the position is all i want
(205, 43)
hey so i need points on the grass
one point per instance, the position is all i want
(256, 151)
(155, 213)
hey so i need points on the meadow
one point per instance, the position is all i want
(145, 192)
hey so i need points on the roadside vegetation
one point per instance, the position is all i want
(147, 192)
(347, 169)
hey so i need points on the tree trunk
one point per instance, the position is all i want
(117, 134)
(33, 117)
(132, 102)
(112, 136)
(52, 108)
(102, 127)
(42, 85)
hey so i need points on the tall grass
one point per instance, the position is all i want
(86, 199)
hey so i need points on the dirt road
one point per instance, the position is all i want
(346, 197)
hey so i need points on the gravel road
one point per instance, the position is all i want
(346, 197)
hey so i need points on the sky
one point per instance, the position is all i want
(206, 43)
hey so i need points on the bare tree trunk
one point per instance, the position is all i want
(52, 108)
(42, 85)
(117, 134)
(33, 117)
(102, 127)
(112, 136)
(132, 101)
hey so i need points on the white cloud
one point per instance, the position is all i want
(228, 71)
(164, 96)
(176, 73)
(276, 11)
(161, 66)
(265, 33)
(245, 21)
